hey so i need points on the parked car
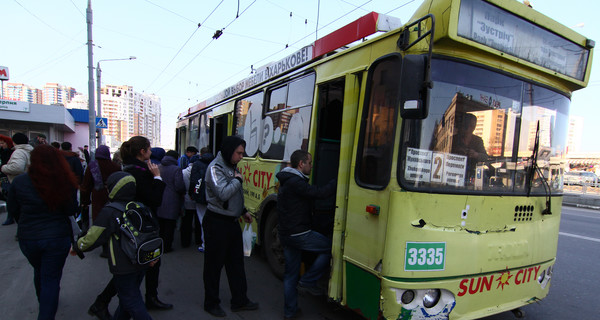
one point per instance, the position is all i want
(580, 178)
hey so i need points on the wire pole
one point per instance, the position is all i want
(91, 108)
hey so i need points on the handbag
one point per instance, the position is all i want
(248, 238)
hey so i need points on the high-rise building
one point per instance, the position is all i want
(55, 93)
(575, 134)
(131, 113)
(22, 92)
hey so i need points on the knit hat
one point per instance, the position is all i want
(20, 138)
(103, 152)
(157, 155)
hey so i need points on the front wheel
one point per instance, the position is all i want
(272, 247)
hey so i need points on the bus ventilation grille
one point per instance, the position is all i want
(523, 213)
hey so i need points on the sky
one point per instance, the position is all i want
(178, 59)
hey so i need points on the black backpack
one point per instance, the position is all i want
(139, 237)
(197, 190)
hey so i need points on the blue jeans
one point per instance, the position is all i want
(131, 304)
(292, 249)
(47, 257)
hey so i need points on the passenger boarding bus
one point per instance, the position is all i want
(446, 135)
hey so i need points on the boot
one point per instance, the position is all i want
(100, 310)
(154, 303)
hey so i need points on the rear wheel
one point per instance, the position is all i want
(273, 249)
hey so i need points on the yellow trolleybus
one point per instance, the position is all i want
(447, 137)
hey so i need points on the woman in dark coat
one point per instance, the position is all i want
(149, 190)
(41, 202)
(172, 202)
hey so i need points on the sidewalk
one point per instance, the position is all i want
(588, 200)
(181, 283)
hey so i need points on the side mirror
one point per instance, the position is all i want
(414, 85)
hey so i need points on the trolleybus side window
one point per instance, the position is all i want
(374, 158)
(194, 133)
(286, 124)
(248, 115)
(203, 131)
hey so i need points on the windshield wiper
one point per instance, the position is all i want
(535, 168)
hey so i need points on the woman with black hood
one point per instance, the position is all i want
(222, 231)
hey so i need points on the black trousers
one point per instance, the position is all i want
(167, 232)
(188, 222)
(223, 247)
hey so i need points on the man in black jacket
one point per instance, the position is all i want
(295, 203)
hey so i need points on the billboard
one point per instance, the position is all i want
(3, 73)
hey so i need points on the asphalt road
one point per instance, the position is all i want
(572, 295)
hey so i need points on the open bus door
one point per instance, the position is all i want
(181, 139)
(326, 159)
(219, 132)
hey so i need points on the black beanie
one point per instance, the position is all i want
(20, 138)
(229, 145)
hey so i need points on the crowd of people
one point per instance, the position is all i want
(46, 188)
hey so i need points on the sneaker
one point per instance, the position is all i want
(215, 311)
(312, 290)
(248, 306)
(201, 248)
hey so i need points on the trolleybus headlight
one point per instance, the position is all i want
(541, 276)
(550, 269)
(431, 298)
(407, 297)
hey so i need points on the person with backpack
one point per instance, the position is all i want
(135, 154)
(93, 190)
(222, 231)
(110, 228)
(197, 194)
(189, 220)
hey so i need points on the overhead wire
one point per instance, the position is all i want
(399, 7)
(297, 41)
(73, 3)
(44, 22)
(183, 46)
(204, 48)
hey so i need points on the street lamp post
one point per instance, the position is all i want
(99, 94)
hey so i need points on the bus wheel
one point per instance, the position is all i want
(517, 313)
(273, 249)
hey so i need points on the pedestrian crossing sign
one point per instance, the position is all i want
(101, 123)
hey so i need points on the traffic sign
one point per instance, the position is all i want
(101, 123)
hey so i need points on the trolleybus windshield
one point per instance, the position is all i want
(480, 134)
